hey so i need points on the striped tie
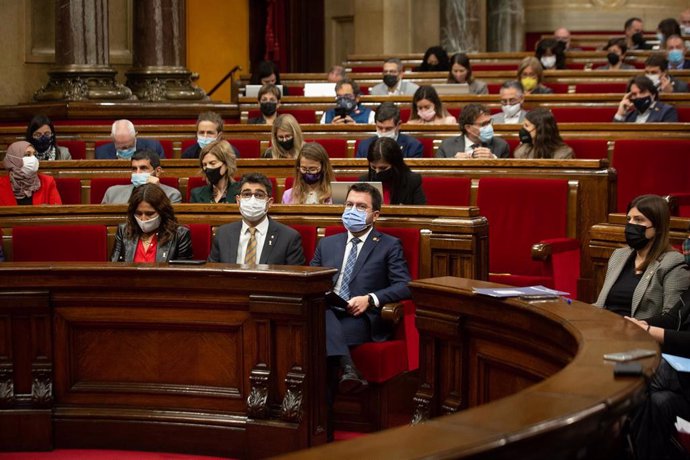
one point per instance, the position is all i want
(349, 267)
(250, 255)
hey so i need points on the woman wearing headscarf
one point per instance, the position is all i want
(23, 185)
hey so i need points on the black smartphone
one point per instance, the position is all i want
(341, 112)
(187, 262)
(336, 302)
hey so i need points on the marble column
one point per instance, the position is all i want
(159, 72)
(463, 25)
(506, 25)
(82, 70)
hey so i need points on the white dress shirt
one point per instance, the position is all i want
(348, 249)
(260, 234)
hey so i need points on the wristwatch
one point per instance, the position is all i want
(372, 303)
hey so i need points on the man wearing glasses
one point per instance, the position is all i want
(371, 273)
(477, 139)
(393, 83)
(347, 108)
(256, 239)
(512, 97)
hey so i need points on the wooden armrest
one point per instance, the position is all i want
(392, 312)
(546, 248)
(541, 251)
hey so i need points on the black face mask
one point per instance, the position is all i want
(642, 103)
(268, 108)
(287, 144)
(390, 80)
(345, 104)
(43, 143)
(524, 135)
(638, 39)
(613, 58)
(213, 174)
(383, 176)
(634, 236)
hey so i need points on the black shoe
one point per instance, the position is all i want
(351, 381)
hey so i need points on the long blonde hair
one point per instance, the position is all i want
(288, 123)
(315, 152)
(222, 150)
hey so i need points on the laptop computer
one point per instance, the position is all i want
(339, 190)
(451, 88)
(319, 90)
(253, 90)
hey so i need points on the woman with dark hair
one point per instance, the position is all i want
(41, 134)
(539, 137)
(427, 108)
(647, 278)
(616, 49)
(386, 165)
(151, 233)
(665, 29)
(461, 72)
(313, 177)
(641, 104)
(23, 185)
(551, 54)
(435, 60)
(218, 164)
(267, 73)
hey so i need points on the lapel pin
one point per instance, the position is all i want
(376, 238)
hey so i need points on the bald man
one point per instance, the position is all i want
(125, 143)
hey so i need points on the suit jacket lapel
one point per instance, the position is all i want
(234, 241)
(163, 250)
(339, 254)
(269, 242)
(644, 284)
(369, 246)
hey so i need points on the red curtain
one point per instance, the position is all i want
(276, 33)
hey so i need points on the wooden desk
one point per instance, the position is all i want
(506, 379)
(212, 360)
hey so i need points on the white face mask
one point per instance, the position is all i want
(392, 134)
(510, 110)
(548, 61)
(148, 226)
(426, 115)
(656, 78)
(30, 165)
(252, 208)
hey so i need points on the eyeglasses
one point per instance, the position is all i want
(359, 206)
(259, 195)
(284, 138)
(313, 170)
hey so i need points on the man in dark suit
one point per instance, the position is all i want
(477, 140)
(641, 104)
(387, 120)
(371, 272)
(256, 239)
(675, 52)
(125, 143)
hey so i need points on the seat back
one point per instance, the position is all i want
(602, 87)
(447, 191)
(201, 240)
(192, 183)
(428, 143)
(522, 212)
(69, 189)
(99, 185)
(336, 148)
(650, 166)
(77, 149)
(583, 114)
(69, 243)
(309, 236)
(593, 149)
(302, 116)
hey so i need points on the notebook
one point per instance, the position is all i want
(253, 90)
(451, 88)
(319, 90)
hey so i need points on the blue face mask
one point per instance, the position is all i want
(204, 141)
(126, 154)
(486, 133)
(140, 178)
(676, 56)
(354, 220)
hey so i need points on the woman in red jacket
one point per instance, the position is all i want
(23, 185)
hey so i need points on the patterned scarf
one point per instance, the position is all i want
(23, 185)
(49, 154)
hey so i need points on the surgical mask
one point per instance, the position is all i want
(486, 133)
(510, 110)
(204, 141)
(635, 236)
(213, 174)
(548, 61)
(148, 226)
(383, 176)
(345, 103)
(524, 136)
(642, 104)
(287, 144)
(252, 209)
(686, 250)
(676, 56)
(354, 220)
(43, 143)
(427, 115)
(655, 77)
(140, 178)
(529, 83)
(390, 80)
(613, 58)
(29, 165)
(268, 108)
(312, 178)
(126, 154)
(392, 134)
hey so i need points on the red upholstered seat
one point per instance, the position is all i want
(593, 149)
(558, 88)
(650, 166)
(604, 87)
(166, 144)
(683, 114)
(99, 185)
(447, 191)
(583, 114)
(301, 115)
(521, 213)
(494, 88)
(69, 189)
(513, 143)
(294, 90)
(493, 66)
(366, 68)
(405, 114)
(248, 148)
(455, 111)
(77, 149)
(336, 148)
(201, 240)
(70, 243)
(428, 143)
(192, 183)
(309, 236)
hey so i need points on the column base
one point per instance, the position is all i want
(80, 83)
(164, 84)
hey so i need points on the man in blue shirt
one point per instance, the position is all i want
(388, 125)
(347, 107)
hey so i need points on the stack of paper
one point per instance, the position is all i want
(519, 291)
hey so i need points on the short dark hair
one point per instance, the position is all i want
(630, 21)
(387, 111)
(644, 83)
(657, 60)
(619, 42)
(265, 69)
(371, 190)
(147, 154)
(352, 83)
(470, 113)
(513, 84)
(257, 178)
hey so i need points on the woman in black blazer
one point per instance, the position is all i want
(386, 165)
